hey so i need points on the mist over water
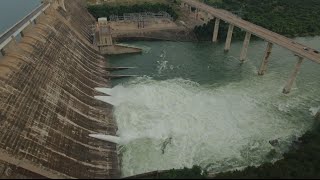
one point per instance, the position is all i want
(195, 105)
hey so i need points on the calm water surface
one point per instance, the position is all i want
(12, 11)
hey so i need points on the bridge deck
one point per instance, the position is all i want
(296, 48)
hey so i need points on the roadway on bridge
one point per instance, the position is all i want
(296, 48)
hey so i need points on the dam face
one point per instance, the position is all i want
(47, 105)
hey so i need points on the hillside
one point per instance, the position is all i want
(291, 18)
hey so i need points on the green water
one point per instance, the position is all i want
(195, 104)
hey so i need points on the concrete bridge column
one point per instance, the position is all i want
(229, 38)
(245, 46)
(185, 5)
(197, 13)
(216, 30)
(293, 76)
(265, 62)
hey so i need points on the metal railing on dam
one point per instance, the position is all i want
(16, 29)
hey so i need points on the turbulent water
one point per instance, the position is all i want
(195, 105)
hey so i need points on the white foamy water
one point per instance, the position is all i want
(314, 110)
(178, 123)
(222, 118)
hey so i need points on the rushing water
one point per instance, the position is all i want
(193, 104)
(12, 11)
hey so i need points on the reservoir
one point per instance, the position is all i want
(12, 11)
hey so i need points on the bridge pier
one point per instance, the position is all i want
(293, 76)
(183, 5)
(208, 17)
(196, 14)
(245, 46)
(229, 38)
(265, 62)
(216, 30)
(186, 6)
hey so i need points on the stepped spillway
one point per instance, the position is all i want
(47, 104)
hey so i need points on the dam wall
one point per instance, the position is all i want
(47, 105)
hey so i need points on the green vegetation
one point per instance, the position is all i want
(302, 161)
(287, 17)
(194, 173)
(106, 10)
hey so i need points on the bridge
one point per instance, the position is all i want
(299, 50)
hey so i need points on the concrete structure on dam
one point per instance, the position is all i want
(205, 12)
(47, 105)
(136, 26)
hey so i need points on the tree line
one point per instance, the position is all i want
(290, 18)
(301, 161)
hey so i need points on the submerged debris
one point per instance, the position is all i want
(165, 143)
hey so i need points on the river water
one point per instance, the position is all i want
(193, 104)
(12, 11)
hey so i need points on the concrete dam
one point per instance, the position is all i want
(47, 105)
(53, 124)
